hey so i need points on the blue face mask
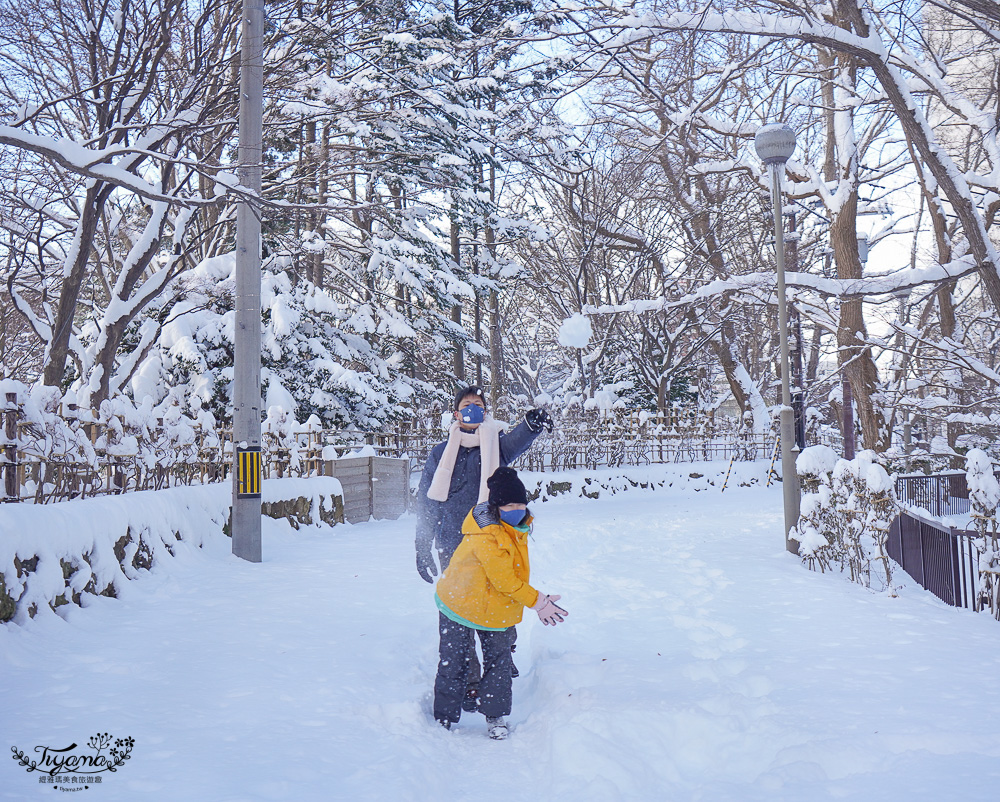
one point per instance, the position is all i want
(513, 517)
(472, 414)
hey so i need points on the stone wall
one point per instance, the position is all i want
(58, 554)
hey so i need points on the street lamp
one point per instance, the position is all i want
(775, 144)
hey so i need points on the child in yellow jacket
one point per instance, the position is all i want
(485, 590)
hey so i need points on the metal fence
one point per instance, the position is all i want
(939, 494)
(942, 559)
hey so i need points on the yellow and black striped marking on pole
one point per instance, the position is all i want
(729, 472)
(771, 475)
(248, 472)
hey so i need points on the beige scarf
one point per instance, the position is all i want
(486, 438)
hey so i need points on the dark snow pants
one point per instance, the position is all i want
(453, 668)
(475, 670)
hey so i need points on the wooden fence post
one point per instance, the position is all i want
(11, 489)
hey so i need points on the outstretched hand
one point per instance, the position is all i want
(538, 418)
(549, 613)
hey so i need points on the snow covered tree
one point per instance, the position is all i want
(398, 110)
(108, 104)
(315, 361)
(876, 75)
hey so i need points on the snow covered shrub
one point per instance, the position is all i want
(984, 496)
(881, 508)
(844, 521)
(746, 442)
(49, 439)
(70, 453)
(817, 516)
(279, 433)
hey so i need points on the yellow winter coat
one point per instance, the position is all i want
(486, 582)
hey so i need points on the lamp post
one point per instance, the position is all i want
(775, 144)
(246, 345)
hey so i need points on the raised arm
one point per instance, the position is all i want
(515, 442)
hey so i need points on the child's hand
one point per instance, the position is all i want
(548, 611)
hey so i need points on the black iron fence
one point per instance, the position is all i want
(939, 494)
(942, 559)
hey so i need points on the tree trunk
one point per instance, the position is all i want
(456, 310)
(854, 356)
(72, 285)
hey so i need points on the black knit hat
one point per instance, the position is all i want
(506, 488)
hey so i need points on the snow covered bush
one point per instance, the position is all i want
(845, 517)
(984, 496)
(68, 452)
(49, 438)
(817, 518)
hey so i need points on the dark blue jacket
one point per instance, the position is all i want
(440, 522)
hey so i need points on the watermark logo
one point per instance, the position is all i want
(75, 768)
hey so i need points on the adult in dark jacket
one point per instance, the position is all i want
(440, 515)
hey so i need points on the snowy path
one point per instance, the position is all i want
(700, 662)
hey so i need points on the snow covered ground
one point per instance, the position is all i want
(700, 662)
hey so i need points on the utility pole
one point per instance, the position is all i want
(775, 144)
(246, 350)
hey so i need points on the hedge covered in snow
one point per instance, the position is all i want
(845, 515)
(57, 554)
(696, 476)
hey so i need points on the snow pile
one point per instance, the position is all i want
(52, 555)
(816, 461)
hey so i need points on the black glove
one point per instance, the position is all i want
(537, 418)
(426, 566)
